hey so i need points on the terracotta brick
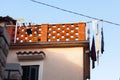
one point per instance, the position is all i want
(49, 32)
(81, 31)
(44, 32)
(11, 32)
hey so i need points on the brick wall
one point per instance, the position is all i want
(48, 32)
(11, 32)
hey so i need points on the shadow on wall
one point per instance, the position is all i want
(59, 64)
(63, 64)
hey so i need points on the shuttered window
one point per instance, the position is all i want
(30, 72)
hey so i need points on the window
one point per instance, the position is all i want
(30, 72)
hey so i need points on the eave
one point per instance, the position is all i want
(84, 43)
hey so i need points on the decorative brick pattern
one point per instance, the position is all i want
(24, 36)
(66, 32)
(49, 33)
(44, 32)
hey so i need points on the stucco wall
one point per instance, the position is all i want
(59, 64)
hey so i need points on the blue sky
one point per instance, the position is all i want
(108, 69)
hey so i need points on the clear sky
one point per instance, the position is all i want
(108, 69)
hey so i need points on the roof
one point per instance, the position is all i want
(8, 20)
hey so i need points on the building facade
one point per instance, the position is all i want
(50, 51)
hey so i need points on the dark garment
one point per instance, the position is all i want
(102, 41)
(93, 53)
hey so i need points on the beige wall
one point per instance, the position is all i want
(59, 64)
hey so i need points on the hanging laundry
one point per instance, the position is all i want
(93, 53)
(97, 43)
(88, 32)
(94, 23)
(97, 40)
(102, 41)
(29, 31)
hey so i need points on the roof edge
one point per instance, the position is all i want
(84, 43)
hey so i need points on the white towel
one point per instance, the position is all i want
(94, 24)
(97, 43)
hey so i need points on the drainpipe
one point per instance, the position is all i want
(15, 32)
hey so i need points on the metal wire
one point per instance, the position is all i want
(110, 22)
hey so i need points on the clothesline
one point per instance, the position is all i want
(65, 10)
